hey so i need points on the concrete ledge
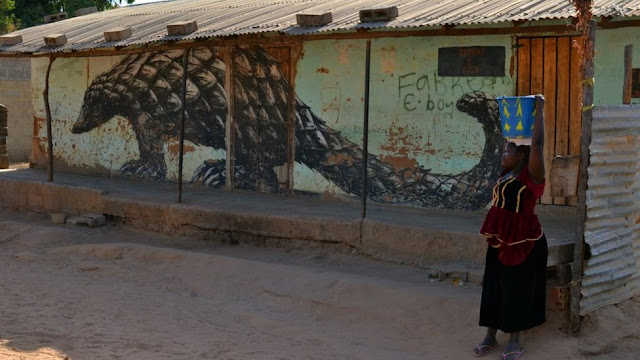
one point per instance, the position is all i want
(228, 219)
(424, 246)
(45, 196)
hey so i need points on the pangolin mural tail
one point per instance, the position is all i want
(146, 88)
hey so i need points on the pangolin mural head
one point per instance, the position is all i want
(101, 103)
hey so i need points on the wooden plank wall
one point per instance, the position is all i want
(550, 66)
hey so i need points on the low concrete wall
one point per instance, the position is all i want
(401, 243)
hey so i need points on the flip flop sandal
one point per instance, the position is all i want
(518, 353)
(482, 350)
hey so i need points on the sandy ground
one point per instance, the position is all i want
(117, 293)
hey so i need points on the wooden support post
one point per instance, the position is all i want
(229, 87)
(587, 118)
(185, 68)
(294, 55)
(365, 130)
(628, 74)
(47, 108)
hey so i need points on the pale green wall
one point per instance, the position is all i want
(106, 148)
(406, 128)
(609, 63)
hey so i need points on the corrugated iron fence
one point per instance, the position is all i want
(612, 229)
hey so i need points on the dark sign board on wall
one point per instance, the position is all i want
(471, 61)
(635, 84)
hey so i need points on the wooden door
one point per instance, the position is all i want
(550, 66)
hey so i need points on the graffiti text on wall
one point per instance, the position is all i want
(433, 93)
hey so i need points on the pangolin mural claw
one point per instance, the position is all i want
(145, 89)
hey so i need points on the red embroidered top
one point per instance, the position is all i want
(511, 224)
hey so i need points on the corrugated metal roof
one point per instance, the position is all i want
(233, 17)
(612, 274)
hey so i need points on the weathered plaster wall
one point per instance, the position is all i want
(103, 149)
(434, 141)
(609, 64)
(15, 94)
(414, 120)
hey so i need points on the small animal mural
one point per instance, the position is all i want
(146, 89)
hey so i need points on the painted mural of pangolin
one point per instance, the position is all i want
(145, 89)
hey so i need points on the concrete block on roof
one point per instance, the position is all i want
(314, 19)
(117, 34)
(55, 39)
(55, 17)
(182, 28)
(379, 14)
(8, 40)
(85, 11)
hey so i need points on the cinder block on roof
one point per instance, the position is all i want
(55, 39)
(379, 14)
(85, 11)
(182, 28)
(314, 19)
(117, 34)
(8, 40)
(55, 17)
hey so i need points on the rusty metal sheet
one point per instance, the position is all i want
(612, 229)
(229, 17)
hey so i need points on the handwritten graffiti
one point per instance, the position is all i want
(433, 93)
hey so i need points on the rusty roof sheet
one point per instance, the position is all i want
(235, 17)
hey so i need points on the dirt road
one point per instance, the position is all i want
(117, 293)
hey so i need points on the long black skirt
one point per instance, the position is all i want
(513, 297)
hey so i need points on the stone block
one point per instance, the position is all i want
(314, 19)
(81, 220)
(182, 28)
(55, 39)
(117, 34)
(58, 218)
(379, 14)
(55, 17)
(564, 175)
(85, 11)
(98, 219)
(558, 297)
(10, 39)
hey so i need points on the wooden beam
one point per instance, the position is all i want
(47, 108)
(228, 57)
(587, 119)
(620, 24)
(183, 98)
(295, 53)
(628, 74)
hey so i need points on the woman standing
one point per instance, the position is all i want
(514, 286)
